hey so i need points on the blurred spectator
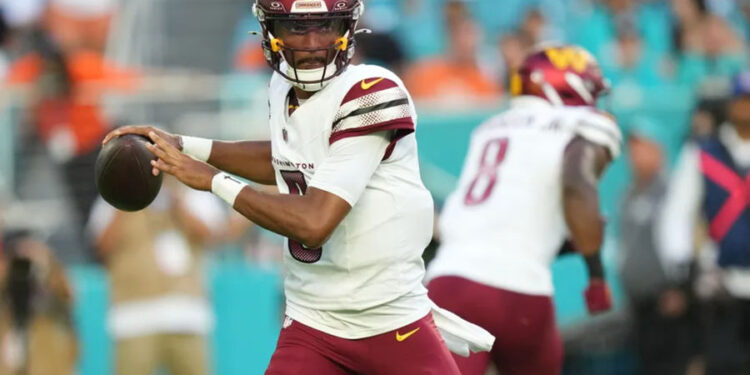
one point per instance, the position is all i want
(536, 29)
(380, 49)
(714, 51)
(247, 55)
(598, 29)
(159, 315)
(455, 78)
(661, 314)
(533, 26)
(260, 246)
(36, 330)
(21, 14)
(704, 121)
(4, 37)
(77, 24)
(688, 16)
(513, 49)
(64, 107)
(710, 182)
(421, 29)
(630, 61)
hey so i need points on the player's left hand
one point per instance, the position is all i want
(193, 173)
(597, 295)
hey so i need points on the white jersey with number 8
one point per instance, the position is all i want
(504, 223)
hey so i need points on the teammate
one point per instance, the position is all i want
(529, 181)
(352, 204)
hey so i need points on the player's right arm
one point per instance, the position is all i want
(247, 159)
(596, 142)
(584, 161)
(583, 164)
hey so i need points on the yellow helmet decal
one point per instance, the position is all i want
(342, 43)
(277, 45)
(516, 85)
(566, 57)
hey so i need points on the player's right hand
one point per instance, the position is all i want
(145, 130)
(598, 297)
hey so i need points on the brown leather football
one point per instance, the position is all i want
(123, 173)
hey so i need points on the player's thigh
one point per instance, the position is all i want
(470, 300)
(474, 364)
(303, 351)
(136, 355)
(185, 354)
(523, 325)
(543, 358)
(416, 348)
(297, 360)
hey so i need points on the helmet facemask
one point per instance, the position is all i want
(286, 60)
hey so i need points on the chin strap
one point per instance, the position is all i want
(311, 77)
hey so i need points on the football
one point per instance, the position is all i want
(123, 173)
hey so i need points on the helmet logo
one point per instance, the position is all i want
(275, 5)
(340, 5)
(564, 58)
(309, 6)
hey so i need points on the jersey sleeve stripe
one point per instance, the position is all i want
(404, 124)
(607, 136)
(371, 110)
(361, 88)
(400, 133)
(609, 131)
(370, 100)
(374, 118)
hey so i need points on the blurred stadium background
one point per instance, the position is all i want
(73, 69)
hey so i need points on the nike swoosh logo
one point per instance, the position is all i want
(406, 335)
(368, 85)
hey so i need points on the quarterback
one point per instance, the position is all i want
(528, 183)
(352, 204)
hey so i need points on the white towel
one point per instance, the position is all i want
(460, 336)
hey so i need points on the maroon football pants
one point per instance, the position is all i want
(526, 338)
(414, 349)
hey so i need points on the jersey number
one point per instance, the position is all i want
(295, 180)
(481, 186)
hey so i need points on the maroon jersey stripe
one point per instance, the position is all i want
(400, 133)
(368, 86)
(405, 123)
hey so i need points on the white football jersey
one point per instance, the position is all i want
(367, 278)
(504, 224)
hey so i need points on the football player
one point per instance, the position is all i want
(529, 181)
(352, 205)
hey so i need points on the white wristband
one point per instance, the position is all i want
(227, 187)
(199, 148)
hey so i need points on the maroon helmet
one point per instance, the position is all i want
(563, 75)
(306, 15)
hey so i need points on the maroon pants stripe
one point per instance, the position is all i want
(526, 338)
(414, 349)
